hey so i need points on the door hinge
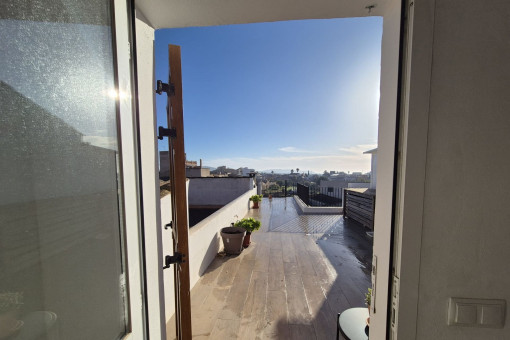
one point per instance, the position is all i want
(176, 258)
(374, 284)
(164, 87)
(164, 132)
(395, 292)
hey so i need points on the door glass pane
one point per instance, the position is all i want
(61, 263)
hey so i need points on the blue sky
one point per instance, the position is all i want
(295, 94)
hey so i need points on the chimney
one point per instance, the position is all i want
(200, 162)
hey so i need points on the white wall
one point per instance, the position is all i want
(341, 184)
(204, 241)
(334, 184)
(168, 274)
(305, 209)
(217, 190)
(198, 172)
(373, 171)
(464, 250)
(358, 185)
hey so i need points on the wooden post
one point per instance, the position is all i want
(179, 197)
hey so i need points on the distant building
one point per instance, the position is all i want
(340, 182)
(223, 171)
(245, 171)
(373, 167)
(333, 186)
(164, 165)
(192, 169)
(196, 170)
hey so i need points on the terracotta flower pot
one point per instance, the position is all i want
(246, 241)
(255, 205)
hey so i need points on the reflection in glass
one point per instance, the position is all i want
(61, 269)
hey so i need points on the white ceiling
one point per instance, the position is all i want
(185, 13)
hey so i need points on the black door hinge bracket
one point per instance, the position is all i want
(176, 258)
(164, 87)
(164, 132)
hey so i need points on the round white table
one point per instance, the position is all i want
(353, 323)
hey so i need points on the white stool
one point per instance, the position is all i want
(353, 323)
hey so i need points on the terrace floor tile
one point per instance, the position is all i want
(299, 272)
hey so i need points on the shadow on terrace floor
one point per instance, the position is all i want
(298, 273)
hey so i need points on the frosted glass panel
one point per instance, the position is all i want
(61, 263)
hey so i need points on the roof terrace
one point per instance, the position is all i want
(297, 274)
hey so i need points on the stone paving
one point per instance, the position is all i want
(298, 273)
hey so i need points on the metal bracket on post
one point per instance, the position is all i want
(176, 258)
(163, 87)
(164, 132)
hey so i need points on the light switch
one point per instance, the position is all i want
(492, 316)
(465, 314)
(486, 313)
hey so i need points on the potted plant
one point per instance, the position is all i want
(368, 301)
(256, 199)
(10, 305)
(250, 225)
(233, 239)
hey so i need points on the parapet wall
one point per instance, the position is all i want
(204, 240)
(217, 191)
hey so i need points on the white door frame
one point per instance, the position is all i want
(385, 171)
(387, 129)
(412, 170)
(136, 326)
(148, 146)
(141, 192)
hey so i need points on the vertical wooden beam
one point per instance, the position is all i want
(179, 196)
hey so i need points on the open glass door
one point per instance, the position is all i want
(177, 159)
(70, 264)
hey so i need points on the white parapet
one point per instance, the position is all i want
(204, 237)
(305, 209)
(204, 240)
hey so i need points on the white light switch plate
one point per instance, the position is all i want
(485, 313)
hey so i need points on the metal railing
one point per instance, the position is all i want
(313, 196)
(284, 190)
(303, 192)
(316, 196)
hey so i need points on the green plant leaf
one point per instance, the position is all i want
(249, 224)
